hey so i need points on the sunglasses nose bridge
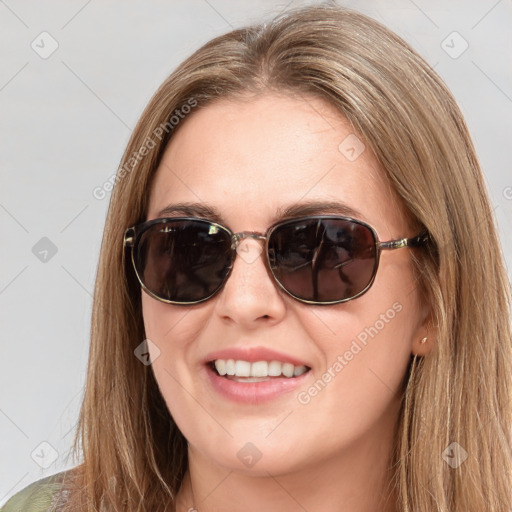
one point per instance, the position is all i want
(236, 238)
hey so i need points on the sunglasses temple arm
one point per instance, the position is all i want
(129, 237)
(416, 241)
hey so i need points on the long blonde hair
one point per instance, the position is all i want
(134, 456)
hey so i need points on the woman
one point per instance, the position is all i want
(301, 303)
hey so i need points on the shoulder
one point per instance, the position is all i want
(40, 496)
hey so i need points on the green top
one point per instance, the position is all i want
(40, 496)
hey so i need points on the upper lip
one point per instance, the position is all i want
(253, 354)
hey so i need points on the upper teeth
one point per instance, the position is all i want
(241, 368)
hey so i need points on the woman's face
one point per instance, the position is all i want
(248, 160)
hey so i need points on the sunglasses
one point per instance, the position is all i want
(316, 260)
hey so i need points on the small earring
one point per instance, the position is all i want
(423, 340)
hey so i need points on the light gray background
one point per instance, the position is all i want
(65, 122)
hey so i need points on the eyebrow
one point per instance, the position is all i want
(189, 209)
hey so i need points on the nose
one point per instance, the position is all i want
(250, 296)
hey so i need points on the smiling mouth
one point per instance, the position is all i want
(258, 371)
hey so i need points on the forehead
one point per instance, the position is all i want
(250, 158)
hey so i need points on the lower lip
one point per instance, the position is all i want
(254, 392)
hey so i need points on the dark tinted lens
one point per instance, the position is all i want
(183, 261)
(323, 260)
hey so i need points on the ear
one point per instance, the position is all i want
(425, 336)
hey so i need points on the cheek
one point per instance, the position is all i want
(167, 324)
(366, 348)
(169, 335)
(172, 331)
(358, 390)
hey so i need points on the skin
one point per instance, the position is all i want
(247, 158)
